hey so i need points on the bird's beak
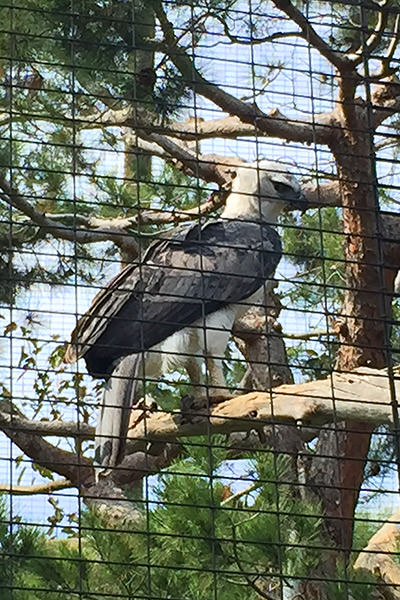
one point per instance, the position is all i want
(297, 201)
(301, 202)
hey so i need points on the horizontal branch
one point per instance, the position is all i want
(322, 195)
(308, 403)
(41, 488)
(79, 472)
(64, 232)
(152, 216)
(363, 396)
(10, 420)
(257, 123)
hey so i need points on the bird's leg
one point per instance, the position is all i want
(202, 395)
(217, 390)
(193, 369)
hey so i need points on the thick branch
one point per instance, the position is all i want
(322, 195)
(363, 395)
(360, 396)
(386, 99)
(67, 464)
(232, 127)
(26, 434)
(309, 403)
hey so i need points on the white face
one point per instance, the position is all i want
(261, 189)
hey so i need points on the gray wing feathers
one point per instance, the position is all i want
(179, 281)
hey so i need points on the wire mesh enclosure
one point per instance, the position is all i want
(199, 230)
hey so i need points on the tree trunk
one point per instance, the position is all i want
(337, 470)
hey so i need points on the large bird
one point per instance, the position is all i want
(175, 307)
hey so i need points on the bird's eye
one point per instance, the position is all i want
(281, 188)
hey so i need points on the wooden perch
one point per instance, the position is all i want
(362, 395)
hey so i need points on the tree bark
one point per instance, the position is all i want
(338, 468)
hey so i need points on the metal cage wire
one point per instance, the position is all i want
(265, 466)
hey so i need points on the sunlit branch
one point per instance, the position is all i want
(40, 488)
(386, 69)
(362, 396)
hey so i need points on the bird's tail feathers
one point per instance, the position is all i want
(113, 417)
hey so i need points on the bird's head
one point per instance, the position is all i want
(263, 190)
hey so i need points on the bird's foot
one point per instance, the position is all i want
(218, 395)
(193, 405)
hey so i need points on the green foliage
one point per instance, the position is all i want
(59, 167)
(191, 530)
(196, 536)
(349, 584)
(317, 286)
(316, 250)
(366, 524)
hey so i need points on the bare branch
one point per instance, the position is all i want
(369, 45)
(236, 39)
(310, 335)
(386, 70)
(136, 466)
(247, 113)
(322, 195)
(26, 433)
(191, 162)
(73, 467)
(386, 99)
(378, 557)
(10, 419)
(241, 493)
(18, 201)
(363, 395)
(40, 488)
(273, 124)
(342, 64)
